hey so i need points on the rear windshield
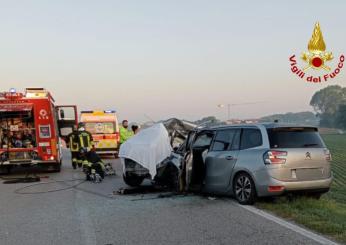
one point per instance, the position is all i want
(294, 138)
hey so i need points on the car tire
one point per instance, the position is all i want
(244, 189)
(133, 181)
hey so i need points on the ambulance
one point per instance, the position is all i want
(31, 127)
(103, 125)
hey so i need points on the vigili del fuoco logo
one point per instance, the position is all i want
(316, 58)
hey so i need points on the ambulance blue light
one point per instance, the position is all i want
(13, 90)
(109, 111)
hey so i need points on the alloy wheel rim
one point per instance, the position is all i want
(243, 188)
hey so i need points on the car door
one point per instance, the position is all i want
(194, 163)
(221, 159)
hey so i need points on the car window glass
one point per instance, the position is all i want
(190, 139)
(251, 138)
(223, 140)
(203, 140)
(294, 138)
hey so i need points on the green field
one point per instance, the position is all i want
(327, 215)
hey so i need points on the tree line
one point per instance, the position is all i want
(330, 105)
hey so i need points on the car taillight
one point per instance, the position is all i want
(328, 155)
(275, 157)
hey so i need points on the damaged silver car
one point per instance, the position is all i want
(249, 161)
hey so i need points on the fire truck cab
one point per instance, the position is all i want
(30, 129)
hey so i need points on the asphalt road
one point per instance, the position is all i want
(90, 214)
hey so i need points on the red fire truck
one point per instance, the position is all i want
(30, 129)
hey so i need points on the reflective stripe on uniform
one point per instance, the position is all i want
(87, 164)
(85, 140)
(73, 140)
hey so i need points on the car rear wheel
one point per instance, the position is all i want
(133, 180)
(244, 189)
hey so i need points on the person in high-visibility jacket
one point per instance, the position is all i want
(73, 144)
(85, 142)
(125, 133)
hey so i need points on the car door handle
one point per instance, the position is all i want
(229, 158)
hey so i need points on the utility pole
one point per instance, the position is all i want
(228, 112)
(229, 107)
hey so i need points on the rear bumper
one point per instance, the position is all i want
(264, 187)
(106, 150)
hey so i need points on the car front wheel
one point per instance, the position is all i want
(133, 180)
(244, 189)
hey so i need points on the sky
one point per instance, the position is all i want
(161, 59)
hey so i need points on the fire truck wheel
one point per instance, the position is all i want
(54, 168)
(5, 169)
(57, 168)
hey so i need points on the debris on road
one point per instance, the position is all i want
(22, 180)
(26, 179)
(109, 171)
(145, 189)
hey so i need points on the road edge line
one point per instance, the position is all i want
(309, 234)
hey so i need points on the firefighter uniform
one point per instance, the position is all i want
(85, 142)
(73, 143)
(91, 162)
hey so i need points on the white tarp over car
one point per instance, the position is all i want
(148, 148)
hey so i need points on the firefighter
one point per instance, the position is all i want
(73, 144)
(85, 140)
(93, 165)
(125, 133)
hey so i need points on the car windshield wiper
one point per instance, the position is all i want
(312, 144)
